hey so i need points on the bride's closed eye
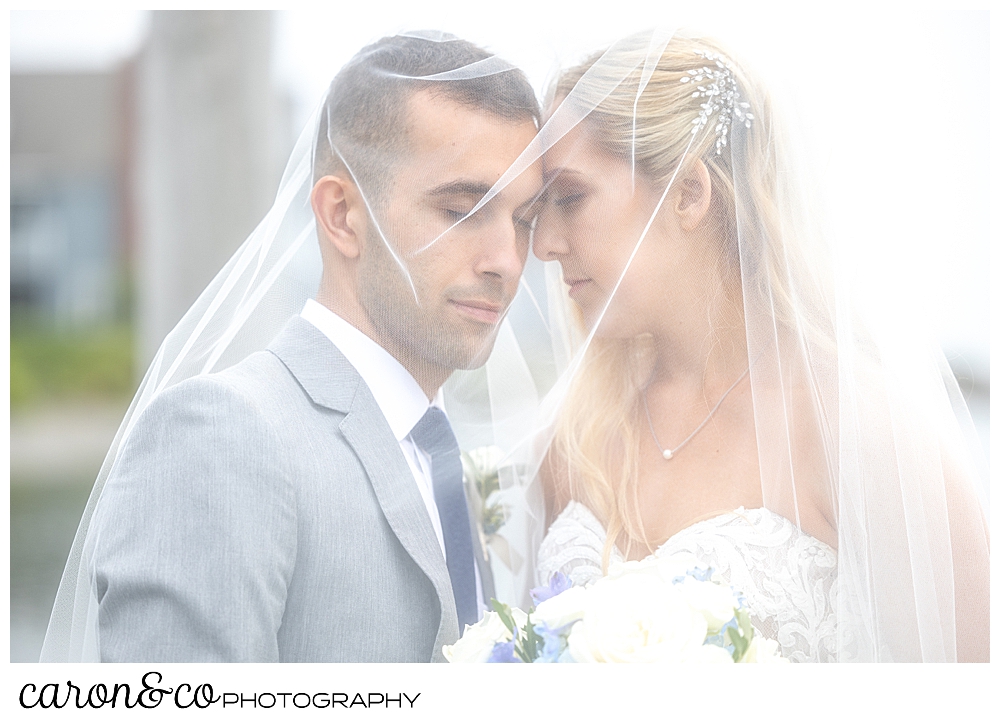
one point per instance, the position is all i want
(565, 196)
(568, 200)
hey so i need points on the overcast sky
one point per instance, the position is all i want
(895, 106)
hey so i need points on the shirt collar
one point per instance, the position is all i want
(396, 392)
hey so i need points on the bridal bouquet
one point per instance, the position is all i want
(642, 612)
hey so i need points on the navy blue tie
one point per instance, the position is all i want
(433, 435)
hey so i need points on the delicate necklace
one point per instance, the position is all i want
(669, 453)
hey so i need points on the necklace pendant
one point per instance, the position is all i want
(667, 454)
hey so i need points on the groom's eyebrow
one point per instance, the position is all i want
(460, 188)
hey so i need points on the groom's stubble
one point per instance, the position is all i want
(410, 320)
(434, 279)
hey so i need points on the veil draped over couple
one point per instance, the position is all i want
(479, 340)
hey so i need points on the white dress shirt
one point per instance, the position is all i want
(398, 396)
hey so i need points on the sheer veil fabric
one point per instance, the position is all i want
(852, 415)
(264, 284)
(862, 437)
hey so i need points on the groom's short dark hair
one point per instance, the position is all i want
(365, 111)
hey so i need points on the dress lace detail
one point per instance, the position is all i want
(788, 577)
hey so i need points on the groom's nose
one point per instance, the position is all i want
(503, 249)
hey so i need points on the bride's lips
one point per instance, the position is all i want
(485, 312)
(575, 285)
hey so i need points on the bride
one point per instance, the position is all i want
(728, 401)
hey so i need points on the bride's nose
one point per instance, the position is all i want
(548, 240)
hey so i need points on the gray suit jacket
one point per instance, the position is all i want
(265, 514)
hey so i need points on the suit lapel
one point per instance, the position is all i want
(403, 507)
(332, 382)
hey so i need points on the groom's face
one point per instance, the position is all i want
(439, 283)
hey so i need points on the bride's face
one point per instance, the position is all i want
(590, 223)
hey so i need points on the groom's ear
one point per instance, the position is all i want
(694, 195)
(337, 205)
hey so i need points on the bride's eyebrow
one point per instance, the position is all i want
(542, 194)
(549, 175)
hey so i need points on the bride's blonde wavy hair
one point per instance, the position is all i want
(595, 449)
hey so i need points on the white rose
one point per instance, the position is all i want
(636, 618)
(477, 642)
(711, 654)
(485, 459)
(520, 619)
(763, 650)
(562, 609)
(675, 565)
(717, 603)
(576, 647)
(630, 567)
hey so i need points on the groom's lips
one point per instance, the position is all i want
(486, 312)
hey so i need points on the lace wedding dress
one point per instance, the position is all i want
(788, 577)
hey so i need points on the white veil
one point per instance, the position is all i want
(851, 405)
(886, 418)
(265, 283)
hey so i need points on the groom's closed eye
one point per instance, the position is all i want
(457, 199)
(455, 215)
(457, 208)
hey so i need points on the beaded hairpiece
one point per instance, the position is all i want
(721, 95)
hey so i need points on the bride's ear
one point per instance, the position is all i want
(335, 203)
(694, 195)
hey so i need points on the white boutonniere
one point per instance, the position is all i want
(481, 470)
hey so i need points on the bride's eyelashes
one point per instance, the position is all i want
(566, 196)
(569, 200)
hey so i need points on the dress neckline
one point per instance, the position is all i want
(738, 512)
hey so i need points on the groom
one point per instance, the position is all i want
(306, 504)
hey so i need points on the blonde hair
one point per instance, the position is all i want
(595, 450)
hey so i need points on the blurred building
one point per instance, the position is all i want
(69, 206)
(131, 187)
(212, 141)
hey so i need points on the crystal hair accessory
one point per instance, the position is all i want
(721, 96)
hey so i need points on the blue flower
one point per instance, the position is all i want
(741, 600)
(717, 640)
(553, 642)
(720, 639)
(557, 583)
(503, 653)
(701, 573)
(733, 625)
